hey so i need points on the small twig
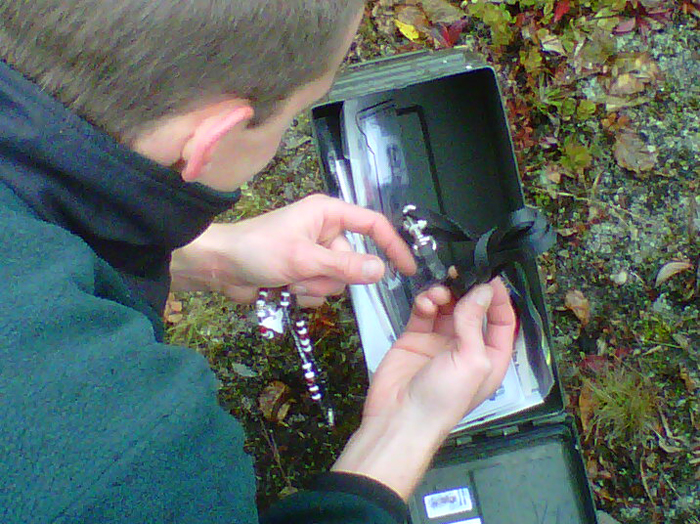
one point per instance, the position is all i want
(270, 438)
(612, 207)
(594, 187)
(643, 476)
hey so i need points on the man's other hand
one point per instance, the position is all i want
(443, 366)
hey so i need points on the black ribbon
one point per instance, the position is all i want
(522, 235)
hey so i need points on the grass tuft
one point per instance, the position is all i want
(625, 406)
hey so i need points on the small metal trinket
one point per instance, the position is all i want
(424, 246)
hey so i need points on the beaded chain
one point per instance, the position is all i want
(273, 320)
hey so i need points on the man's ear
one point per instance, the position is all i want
(207, 134)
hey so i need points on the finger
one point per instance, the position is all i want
(239, 294)
(500, 323)
(322, 286)
(426, 307)
(310, 302)
(423, 315)
(340, 243)
(469, 316)
(440, 295)
(377, 227)
(445, 324)
(318, 287)
(345, 266)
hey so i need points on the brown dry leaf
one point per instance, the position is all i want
(690, 383)
(626, 84)
(274, 401)
(287, 491)
(591, 54)
(579, 304)
(412, 23)
(633, 70)
(550, 43)
(586, 406)
(384, 16)
(441, 11)
(173, 310)
(669, 269)
(615, 103)
(552, 172)
(632, 153)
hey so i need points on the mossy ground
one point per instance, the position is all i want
(631, 373)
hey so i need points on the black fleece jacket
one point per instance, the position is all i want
(100, 421)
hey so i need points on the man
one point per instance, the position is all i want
(125, 128)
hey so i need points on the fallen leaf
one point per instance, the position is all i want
(287, 491)
(173, 310)
(243, 371)
(626, 84)
(551, 43)
(447, 36)
(408, 31)
(626, 26)
(633, 154)
(579, 305)
(552, 173)
(615, 103)
(690, 383)
(441, 11)
(591, 54)
(412, 23)
(620, 278)
(567, 231)
(274, 401)
(562, 7)
(670, 269)
(641, 66)
(586, 406)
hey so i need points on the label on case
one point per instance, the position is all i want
(448, 503)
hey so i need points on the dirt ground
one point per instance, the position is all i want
(618, 175)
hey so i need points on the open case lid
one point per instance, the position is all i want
(535, 477)
(464, 169)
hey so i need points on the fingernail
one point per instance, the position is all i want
(372, 269)
(483, 295)
(299, 290)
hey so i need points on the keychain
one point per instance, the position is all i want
(275, 319)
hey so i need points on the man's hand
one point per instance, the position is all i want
(302, 245)
(442, 367)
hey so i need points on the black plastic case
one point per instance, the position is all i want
(525, 468)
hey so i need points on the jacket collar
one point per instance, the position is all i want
(130, 210)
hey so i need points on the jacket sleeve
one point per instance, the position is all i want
(340, 498)
(101, 423)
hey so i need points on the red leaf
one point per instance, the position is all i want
(594, 363)
(625, 26)
(561, 9)
(448, 35)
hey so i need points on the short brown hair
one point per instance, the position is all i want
(124, 64)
